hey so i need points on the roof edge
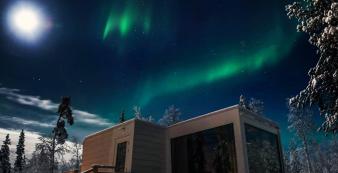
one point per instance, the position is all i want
(207, 114)
(259, 117)
(106, 129)
(150, 123)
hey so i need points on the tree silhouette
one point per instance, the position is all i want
(60, 133)
(122, 117)
(4, 157)
(20, 154)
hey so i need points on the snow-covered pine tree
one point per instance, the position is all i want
(332, 156)
(137, 112)
(171, 116)
(138, 115)
(5, 162)
(19, 163)
(242, 102)
(319, 155)
(294, 164)
(43, 159)
(149, 118)
(76, 151)
(319, 19)
(254, 105)
(39, 161)
(286, 159)
(301, 123)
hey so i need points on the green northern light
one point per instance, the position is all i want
(109, 26)
(121, 20)
(276, 46)
(124, 21)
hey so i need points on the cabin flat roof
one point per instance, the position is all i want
(260, 117)
(207, 114)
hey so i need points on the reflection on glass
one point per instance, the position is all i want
(208, 151)
(120, 157)
(263, 151)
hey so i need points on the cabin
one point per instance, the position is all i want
(229, 140)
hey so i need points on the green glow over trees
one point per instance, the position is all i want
(228, 65)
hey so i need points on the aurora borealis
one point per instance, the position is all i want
(111, 55)
(229, 65)
(123, 21)
(226, 65)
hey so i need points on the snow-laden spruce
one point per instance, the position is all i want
(301, 123)
(319, 19)
(138, 115)
(5, 164)
(254, 105)
(171, 116)
(20, 161)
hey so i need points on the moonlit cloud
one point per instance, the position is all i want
(8, 91)
(34, 101)
(23, 121)
(90, 118)
(48, 105)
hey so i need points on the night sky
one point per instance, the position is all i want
(198, 55)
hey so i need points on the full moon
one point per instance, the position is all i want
(26, 21)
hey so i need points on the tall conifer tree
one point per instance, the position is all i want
(20, 154)
(4, 159)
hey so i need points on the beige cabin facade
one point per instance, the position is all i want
(227, 140)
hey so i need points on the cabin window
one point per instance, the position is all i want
(121, 157)
(263, 150)
(208, 151)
